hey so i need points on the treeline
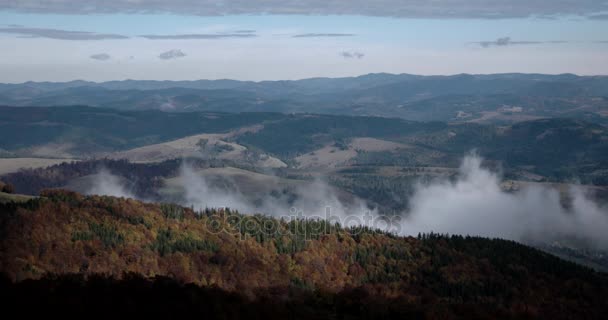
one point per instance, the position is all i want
(390, 194)
(144, 178)
(299, 134)
(6, 187)
(92, 129)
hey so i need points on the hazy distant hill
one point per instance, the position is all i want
(500, 98)
(558, 149)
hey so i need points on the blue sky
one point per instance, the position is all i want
(336, 45)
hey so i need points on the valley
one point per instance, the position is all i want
(289, 159)
(272, 163)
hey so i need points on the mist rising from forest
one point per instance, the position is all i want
(105, 183)
(310, 200)
(473, 204)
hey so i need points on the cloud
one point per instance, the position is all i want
(315, 199)
(101, 57)
(475, 204)
(603, 16)
(105, 183)
(172, 54)
(488, 9)
(503, 42)
(322, 35)
(352, 55)
(506, 41)
(60, 34)
(199, 36)
(472, 204)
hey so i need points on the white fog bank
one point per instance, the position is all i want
(476, 205)
(473, 204)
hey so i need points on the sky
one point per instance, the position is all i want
(60, 40)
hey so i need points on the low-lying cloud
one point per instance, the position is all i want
(475, 204)
(472, 204)
(172, 54)
(312, 199)
(105, 183)
(60, 34)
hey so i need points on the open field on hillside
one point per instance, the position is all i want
(7, 197)
(335, 155)
(206, 146)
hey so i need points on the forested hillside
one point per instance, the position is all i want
(89, 130)
(553, 149)
(494, 98)
(255, 258)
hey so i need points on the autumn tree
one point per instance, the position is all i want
(6, 187)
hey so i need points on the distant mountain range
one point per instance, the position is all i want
(497, 98)
(314, 85)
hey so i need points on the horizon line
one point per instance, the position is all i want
(313, 78)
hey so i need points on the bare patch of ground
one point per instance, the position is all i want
(9, 197)
(491, 116)
(51, 150)
(208, 146)
(191, 146)
(332, 156)
(327, 157)
(374, 145)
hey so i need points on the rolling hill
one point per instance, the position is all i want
(497, 98)
(556, 149)
(73, 239)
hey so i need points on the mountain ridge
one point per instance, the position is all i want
(497, 98)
